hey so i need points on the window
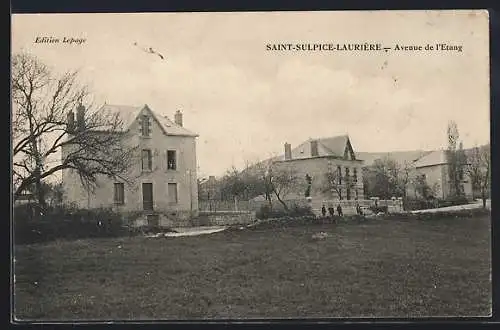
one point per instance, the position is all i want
(348, 193)
(172, 193)
(171, 160)
(347, 173)
(355, 175)
(339, 173)
(147, 160)
(145, 126)
(119, 195)
(357, 193)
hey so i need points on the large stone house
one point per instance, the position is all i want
(163, 185)
(432, 169)
(326, 160)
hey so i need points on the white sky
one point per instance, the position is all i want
(246, 102)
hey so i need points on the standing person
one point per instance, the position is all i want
(359, 210)
(330, 210)
(339, 210)
(323, 210)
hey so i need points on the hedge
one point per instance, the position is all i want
(65, 222)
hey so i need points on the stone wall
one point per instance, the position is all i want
(140, 219)
(224, 218)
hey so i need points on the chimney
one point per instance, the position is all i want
(288, 151)
(70, 122)
(314, 148)
(80, 117)
(178, 118)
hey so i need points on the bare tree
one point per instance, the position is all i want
(479, 170)
(42, 102)
(337, 182)
(283, 182)
(258, 179)
(387, 178)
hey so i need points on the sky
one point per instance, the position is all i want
(245, 102)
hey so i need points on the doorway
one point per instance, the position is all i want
(147, 196)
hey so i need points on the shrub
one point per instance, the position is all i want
(378, 209)
(300, 211)
(265, 212)
(452, 201)
(65, 222)
(452, 214)
(420, 204)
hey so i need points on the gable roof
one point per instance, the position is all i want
(401, 157)
(334, 146)
(437, 157)
(331, 146)
(128, 115)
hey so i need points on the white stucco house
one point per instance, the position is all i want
(433, 168)
(163, 187)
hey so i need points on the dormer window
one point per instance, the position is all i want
(145, 126)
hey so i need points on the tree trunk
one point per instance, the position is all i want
(270, 202)
(282, 202)
(483, 197)
(39, 195)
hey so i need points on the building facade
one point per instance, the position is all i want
(432, 169)
(161, 181)
(329, 165)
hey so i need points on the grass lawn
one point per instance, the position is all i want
(381, 268)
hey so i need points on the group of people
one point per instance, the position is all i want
(331, 211)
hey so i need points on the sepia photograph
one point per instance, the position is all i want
(250, 165)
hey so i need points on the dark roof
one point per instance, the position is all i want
(331, 146)
(400, 157)
(437, 157)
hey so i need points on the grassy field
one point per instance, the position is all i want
(381, 268)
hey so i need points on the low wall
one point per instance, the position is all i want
(140, 219)
(224, 218)
(349, 206)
